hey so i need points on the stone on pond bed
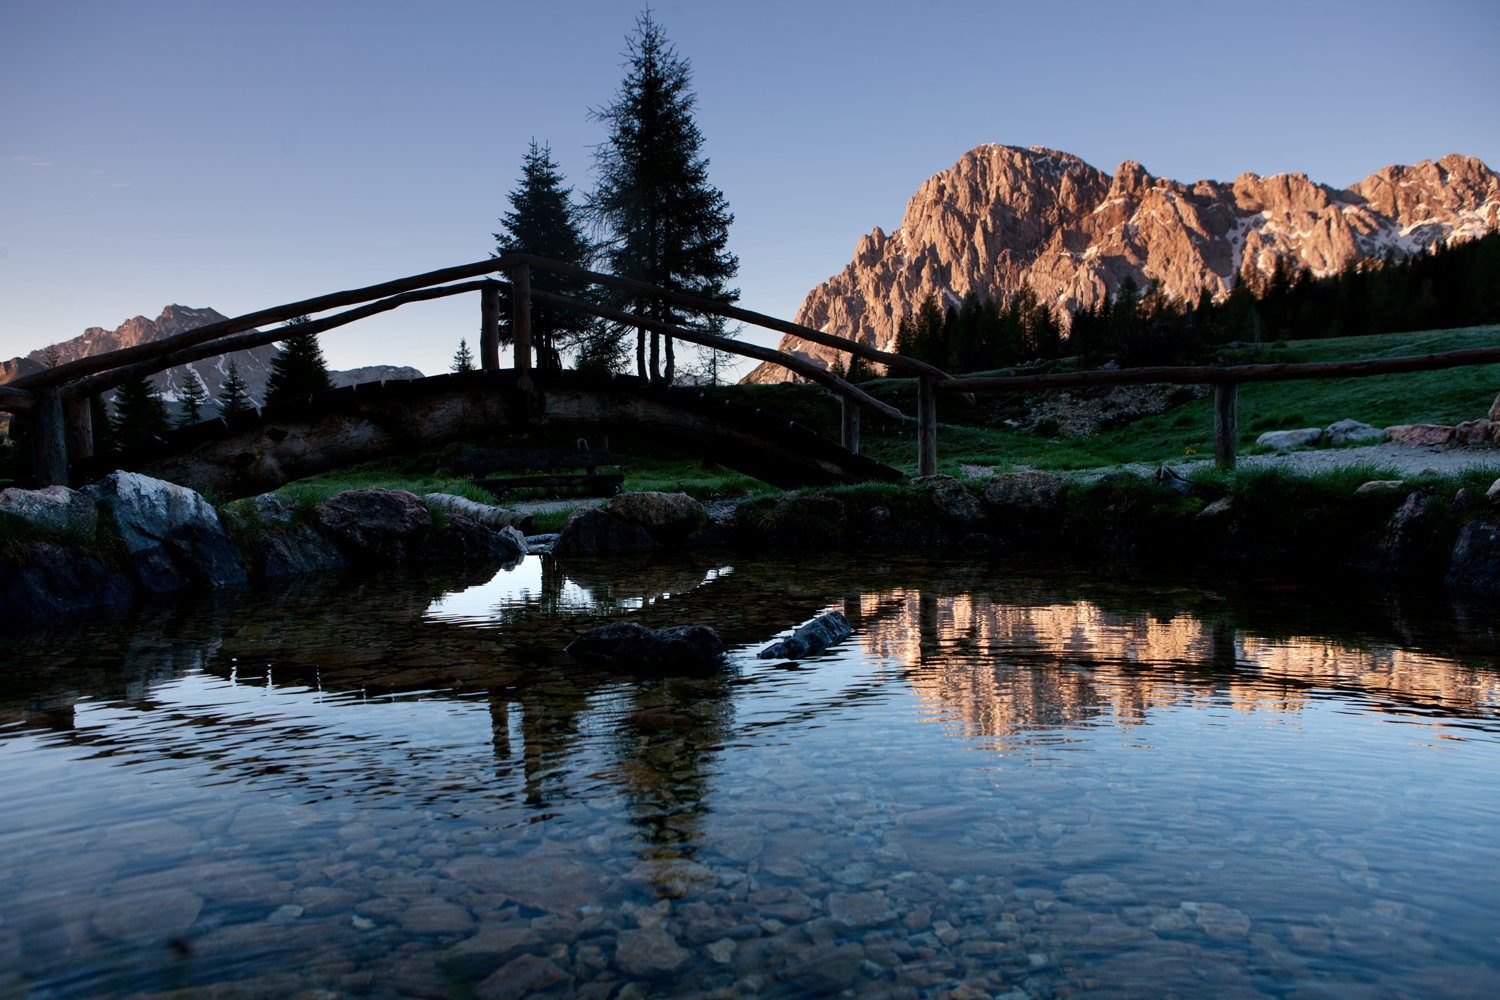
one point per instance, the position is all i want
(627, 644)
(811, 639)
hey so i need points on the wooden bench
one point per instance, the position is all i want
(476, 463)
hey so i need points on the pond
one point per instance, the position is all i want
(1013, 781)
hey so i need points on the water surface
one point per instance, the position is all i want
(1008, 783)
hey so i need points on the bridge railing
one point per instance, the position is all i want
(57, 399)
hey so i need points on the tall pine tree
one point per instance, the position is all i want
(298, 369)
(139, 410)
(662, 221)
(234, 396)
(191, 399)
(543, 221)
(463, 358)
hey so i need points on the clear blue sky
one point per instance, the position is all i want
(243, 154)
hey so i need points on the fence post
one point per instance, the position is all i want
(49, 447)
(926, 427)
(520, 298)
(850, 436)
(79, 418)
(489, 327)
(1226, 401)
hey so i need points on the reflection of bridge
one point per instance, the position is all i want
(255, 451)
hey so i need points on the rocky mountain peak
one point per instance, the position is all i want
(1005, 217)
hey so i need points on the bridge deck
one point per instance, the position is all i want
(256, 451)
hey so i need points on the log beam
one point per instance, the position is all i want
(926, 427)
(489, 326)
(1226, 433)
(14, 400)
(49, 446)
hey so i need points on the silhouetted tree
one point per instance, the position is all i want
(191, 399)
(139, 410)
(662, 222)
(298, 369)
(234, 396)
(463, 358)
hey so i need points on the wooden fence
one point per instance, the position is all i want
(57, 399)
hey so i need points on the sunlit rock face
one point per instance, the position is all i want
(1004, 217)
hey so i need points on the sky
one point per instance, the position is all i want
(240, 155)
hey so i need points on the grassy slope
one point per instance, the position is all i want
(976, 435)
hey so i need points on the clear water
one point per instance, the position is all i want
(1009, 783)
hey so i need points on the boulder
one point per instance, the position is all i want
(880, 528)
(649, 951)
(1474, 434)
(1282, 440)
(1493, 493)
(518, 977)
(57, 579)
(1494, 413)
(588, 531)
(55, 508)
(278, 551)
(276, 508)
(1344, 431)
(979, 544)
(627, 644)
(1168, 479)
(1379, 486)
(1411, 541)
(489, 515)
(1028, 495)
(173, 537)
(1475, 561)
(954, 501)
(667, 517)
(811, 639)
(376, 527)
(1420, 435)
(465, 540)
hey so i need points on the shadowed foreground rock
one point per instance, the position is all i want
(811, 639)
(378, 527)
(626, 644)
(172, 535)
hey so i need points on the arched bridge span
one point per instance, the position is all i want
(257, 451)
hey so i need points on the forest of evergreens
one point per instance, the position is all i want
(1444, 288)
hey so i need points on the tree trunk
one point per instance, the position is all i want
(671, 361)
(655, 356)
(640, 351)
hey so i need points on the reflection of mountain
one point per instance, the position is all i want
(1004, 668)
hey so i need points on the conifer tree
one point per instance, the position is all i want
(544, 221)
(103, 428)
(662, 221)
(234, 397)
(298, 369)
(139, 410)
(463, 358)
(191, 399)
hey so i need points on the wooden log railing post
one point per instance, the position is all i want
(849, 432)
(926, 427)
(49, 446)
(489, 327)
(78, 415)
(1226, 401)
(520, 299)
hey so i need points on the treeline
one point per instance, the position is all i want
(1438, 289)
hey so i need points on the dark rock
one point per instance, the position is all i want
(626, 644)
(650, 951)
(465, 540)
(274, 552)
(879, 528)
(1412, 541)
(954, 502)
(55, 508)
(1476, 555)
(1462, 501)
(56, 579)
(276, 508)
(667, 517)
(589, 530)
(978, 544)
(1029, 494)
(1168, 479)
(811, 639)
(518, 977)
(815, 521)
(172, 535)
(376, 527)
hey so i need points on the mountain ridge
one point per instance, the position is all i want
(1004, 217)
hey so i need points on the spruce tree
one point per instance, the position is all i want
(139, 410)
(544, 221)
(298, 369)
(463, 358)
(662, 221)
(233, 394)
(191, 399)
(104, 430)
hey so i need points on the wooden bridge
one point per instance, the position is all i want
(262, 449)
